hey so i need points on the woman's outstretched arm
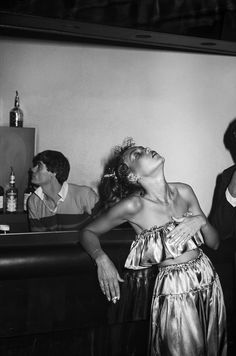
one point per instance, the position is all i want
(108, 275)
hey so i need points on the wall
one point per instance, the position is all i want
(83, 99)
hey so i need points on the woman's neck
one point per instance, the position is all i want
(158, 191)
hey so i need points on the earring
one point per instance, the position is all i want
(138, 179)
(132, 178)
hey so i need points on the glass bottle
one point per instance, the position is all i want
(16, 114)
(28, 191)
(4, 229)
(1, 199)
(11, 195)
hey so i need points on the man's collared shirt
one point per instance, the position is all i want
(230, 198)
(73, 209)
(62, 194)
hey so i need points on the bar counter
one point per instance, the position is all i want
(50, 300)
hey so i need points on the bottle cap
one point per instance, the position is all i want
(12, 176)
(17, 99)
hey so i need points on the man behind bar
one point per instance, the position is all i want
(56, 204)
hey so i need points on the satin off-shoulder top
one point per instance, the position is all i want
(152, 246)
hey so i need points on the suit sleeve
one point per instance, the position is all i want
(222, 215)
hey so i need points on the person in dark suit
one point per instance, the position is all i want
(223, 217)
(223, 211)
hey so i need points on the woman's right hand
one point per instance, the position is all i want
(108, 278)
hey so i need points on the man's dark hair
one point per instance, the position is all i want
(230, 139)
(55, 162)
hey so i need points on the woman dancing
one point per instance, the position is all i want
(187, 313)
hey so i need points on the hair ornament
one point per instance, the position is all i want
(110, 175)
(127, 143)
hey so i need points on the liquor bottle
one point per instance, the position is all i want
(11, 195)
(1, 199)
(28, 191)
(4, 229)
(16, 114)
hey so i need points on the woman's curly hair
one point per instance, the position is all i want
(115, 184)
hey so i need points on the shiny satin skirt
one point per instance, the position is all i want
(128, 331)
(188, 316)
(136, 296)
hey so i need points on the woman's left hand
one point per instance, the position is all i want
(187, 227)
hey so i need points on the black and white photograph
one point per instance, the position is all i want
(118, 178)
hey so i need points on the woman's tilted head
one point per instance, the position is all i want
(118, 181)
(127, 169)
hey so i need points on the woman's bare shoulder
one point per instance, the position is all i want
(183, 189)
(130, 205)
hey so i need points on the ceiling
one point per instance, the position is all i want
(206, 26)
